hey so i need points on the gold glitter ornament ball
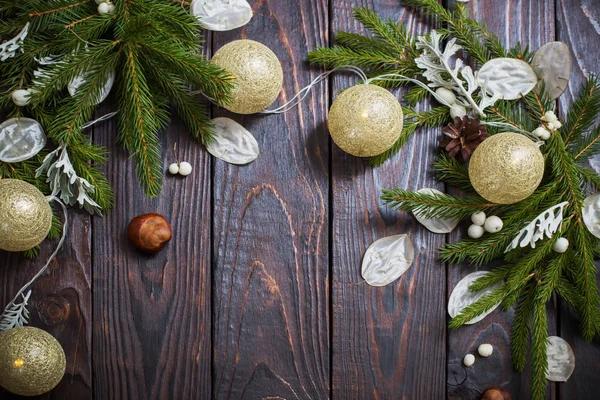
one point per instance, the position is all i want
(506, 168)
(25, 215)
(365, 120)
(32, 362)
(257, 72)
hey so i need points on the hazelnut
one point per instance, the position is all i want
(496, 393)
(149, 232)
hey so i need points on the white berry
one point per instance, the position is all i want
(469, 360)
(475, 231)
(457, 110)
(549, 116)
(174, 169)
(541, 132)
(185, 168)
(478, 218)
(493, 224)
(485, 350)
(21, 97)
(104, 8)
(111, 8)
(557, 124)
(561, 245)
(446, 95)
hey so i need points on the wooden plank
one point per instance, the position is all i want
(579, 27)
(532, 23)
(152, 313)
(270, 322)
(387, 342)
(60, 303)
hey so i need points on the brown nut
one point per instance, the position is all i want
(149, 232)
(496, 393)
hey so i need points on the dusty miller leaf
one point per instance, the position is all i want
(16, 314)
(545, 224)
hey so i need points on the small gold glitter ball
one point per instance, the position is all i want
(257, 72)
(365, 120)
(25, 215)
(506, 168)
(32, 362)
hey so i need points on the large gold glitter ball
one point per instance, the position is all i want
(365, 120)
(257, 72)
(25, 215)
(506, 168)
(32, 362)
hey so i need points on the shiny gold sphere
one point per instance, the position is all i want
(506, 168)
(257, 72)
(365, 120)
(25, 215)
(32, 362)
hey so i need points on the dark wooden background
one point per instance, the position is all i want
(259, 295)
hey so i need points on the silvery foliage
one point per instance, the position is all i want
(65, 183)
(9, 49)
(462, 80)
(545, 224)
(16, 314)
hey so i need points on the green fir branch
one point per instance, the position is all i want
(519, 338)
(450, 171)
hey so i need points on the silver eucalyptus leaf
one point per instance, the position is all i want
(232, 142)
(387, 259)
(462, 297)
(552, 64)
(561, 359)
(222, 15)
(436, 225)
(507, 78)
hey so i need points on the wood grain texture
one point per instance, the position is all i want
(152, 313)
(530, 22)
(579, 27)
(271, 319)
(60, 303)
(388, 342)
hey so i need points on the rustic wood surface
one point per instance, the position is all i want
(259, 295)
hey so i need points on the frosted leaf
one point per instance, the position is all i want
(507, 78)
(561, 359)
(591, 214)
(552, 64)
(232, 142)
(10, 48)
(546, 224)
(20, 139)
(222, 15)
(436, 225)
(76, 83)
(462, 297)
(387, 259)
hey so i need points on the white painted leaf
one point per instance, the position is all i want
(561, 359)
(436, 225)
(507, 78)
(222, 15)
(462, 297)
(591, 214)
(76, 83)
(387, 259)
(545, 224)
(232, 142)
(20, 139)
(552, 64)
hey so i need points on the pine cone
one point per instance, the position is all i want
(463, 135)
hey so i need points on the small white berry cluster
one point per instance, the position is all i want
(105, 7)
(481, 224)
(183, 168)
(484, 350)
(456, 109)
(550, 125)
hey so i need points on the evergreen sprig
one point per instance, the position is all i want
(150, 47)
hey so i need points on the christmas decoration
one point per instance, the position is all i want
(21, 97)
(462, 297)
(475, 231)
(233, 143)
(149, 233)
(493, 224)
(257, 72)
(221, 15)
(485, 350)
(561, 245)
(185, 168)
(561, 359)
(469, 360)
(20, 139)
(552, 65)
(462, 137)
(506, 168)
(365, 120)
(387, 259)
(149, 49)
(32, 362)
(25, 214)
(478, 218)
(174, 169)
(546, 224)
